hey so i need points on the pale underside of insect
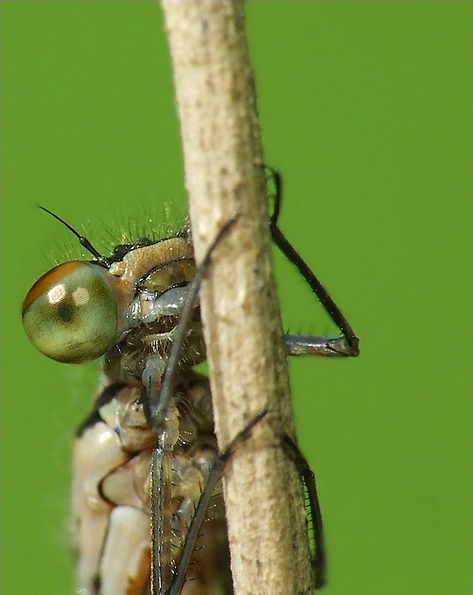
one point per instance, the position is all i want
(140, 460)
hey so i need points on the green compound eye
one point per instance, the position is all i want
(70, 313)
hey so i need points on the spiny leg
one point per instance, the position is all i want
(308, 477)
(344, 346)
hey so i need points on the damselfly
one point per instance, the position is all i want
(147, 456)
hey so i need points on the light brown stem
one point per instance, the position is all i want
(243, 331)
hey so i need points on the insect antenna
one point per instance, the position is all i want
(83, 240)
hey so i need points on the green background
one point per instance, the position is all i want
(366, 109)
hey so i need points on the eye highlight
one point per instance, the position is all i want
(70, 313)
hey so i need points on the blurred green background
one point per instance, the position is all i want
(366, 109)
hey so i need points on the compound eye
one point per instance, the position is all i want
(70, 313)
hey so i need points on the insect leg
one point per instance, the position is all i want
(198, 518)
(161, 513)
(344, 346)
(308, 477)
(321, 346)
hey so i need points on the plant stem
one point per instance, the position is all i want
(243, 331)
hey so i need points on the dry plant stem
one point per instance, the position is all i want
(243, 331)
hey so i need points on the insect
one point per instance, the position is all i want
(147, 454)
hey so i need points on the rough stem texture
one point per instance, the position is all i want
(243, 330)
